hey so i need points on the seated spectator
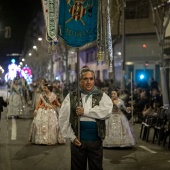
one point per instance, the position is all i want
(136, 96)
(124, 95)
(150, 109)
(155, 97)
(140, 105)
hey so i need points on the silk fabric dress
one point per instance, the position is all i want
(45, 125)
(16, 101)
(118, 130)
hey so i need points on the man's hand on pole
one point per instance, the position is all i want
(80, 111)
(76, 142)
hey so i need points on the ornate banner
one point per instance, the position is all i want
(78, 21)
(51, 26)
(51, 14)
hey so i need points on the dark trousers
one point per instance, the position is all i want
(89, 151)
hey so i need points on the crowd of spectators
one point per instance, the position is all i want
(144, 98)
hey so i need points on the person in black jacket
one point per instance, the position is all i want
(153, 84)
(140, 105)
(2, 104)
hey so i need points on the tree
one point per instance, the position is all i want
(161, 17)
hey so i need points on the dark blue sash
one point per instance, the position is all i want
(88, 131)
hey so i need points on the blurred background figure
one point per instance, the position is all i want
(155, 97)
(128, 86)
(125, 96)
(139, 106)
(153, 84)
(3, 103)
(16, 99)
(57, 90)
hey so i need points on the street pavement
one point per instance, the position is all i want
(16, 153)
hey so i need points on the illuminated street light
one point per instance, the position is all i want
(30, 54)
(142, 76)
(39, 39)
(34, 47)
(23, 59)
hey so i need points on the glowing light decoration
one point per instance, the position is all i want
(13, 71)
(27, 74)
(142, 76)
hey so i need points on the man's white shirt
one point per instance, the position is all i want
(103, 111)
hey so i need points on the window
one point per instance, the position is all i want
(137, 9)
(90, 56)
(105, 74)
(98, 74)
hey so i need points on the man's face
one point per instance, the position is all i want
(87, 81)
(114, 95)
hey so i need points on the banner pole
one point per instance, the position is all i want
(78, 91)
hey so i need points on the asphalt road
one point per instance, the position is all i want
(16, 153)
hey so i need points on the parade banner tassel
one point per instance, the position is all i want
(105, 51)
(51, 15)
(100, 34)
(109, 37)
(78, 21)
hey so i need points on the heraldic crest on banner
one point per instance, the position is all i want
(78, 10)
(78, 24)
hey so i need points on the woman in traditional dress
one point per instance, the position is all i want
(37, 90)
(16, 100)
(57, 90)
(45, 127)
(118, 130)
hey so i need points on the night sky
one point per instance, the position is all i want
(16, 14)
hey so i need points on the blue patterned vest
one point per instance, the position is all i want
(74, 118)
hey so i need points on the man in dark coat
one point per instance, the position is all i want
(2, 104)
(140, 105)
